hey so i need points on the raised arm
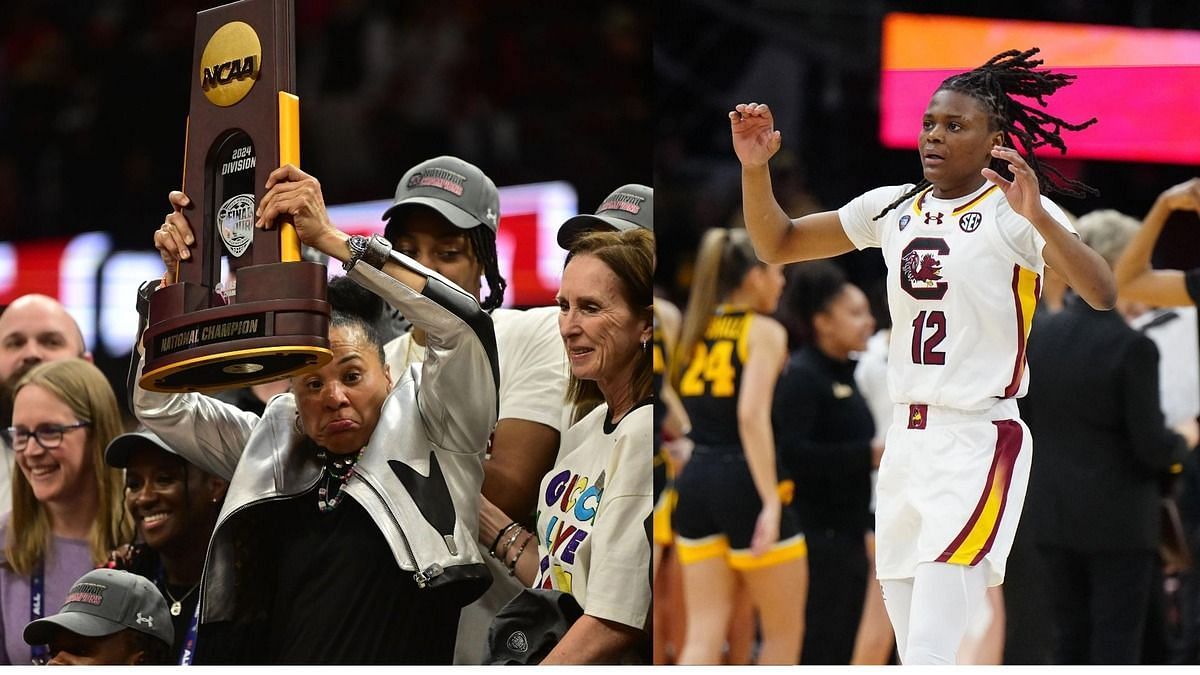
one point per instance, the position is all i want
(1083, 268)
(777, 238)
(460, 373)
(1136, 280)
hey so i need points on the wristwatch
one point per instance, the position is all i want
(373, 250)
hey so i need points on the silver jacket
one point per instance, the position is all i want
(420, 476)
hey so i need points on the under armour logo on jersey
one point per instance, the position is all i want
(148, 620)
(970, 221)
(491, 215)
(931, 217)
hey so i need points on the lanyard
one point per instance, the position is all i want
(37, 586)
(189, 641)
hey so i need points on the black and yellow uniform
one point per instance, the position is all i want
(717, 503)
(664, 471)
(661, 468)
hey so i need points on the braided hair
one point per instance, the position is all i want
(483, 241)
(994, 84)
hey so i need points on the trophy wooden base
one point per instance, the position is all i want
(273, 331)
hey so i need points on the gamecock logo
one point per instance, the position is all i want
(921, 270)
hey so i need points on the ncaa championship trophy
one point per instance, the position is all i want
(243, 123)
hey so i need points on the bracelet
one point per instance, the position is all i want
(492, 549)
(512, 564)
(508, 544)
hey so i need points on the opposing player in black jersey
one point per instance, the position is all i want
(729, 520)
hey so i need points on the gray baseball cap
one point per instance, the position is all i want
(120, 448)
(629, 206)
(104, 602)
(458, 190)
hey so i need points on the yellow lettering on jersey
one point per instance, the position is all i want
(713, 368)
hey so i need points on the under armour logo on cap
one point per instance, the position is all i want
(104, 602)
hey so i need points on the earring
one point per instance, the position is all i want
(644, 344)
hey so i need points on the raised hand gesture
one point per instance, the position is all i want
(755, 139)
(1022, 191)
(1182, 197)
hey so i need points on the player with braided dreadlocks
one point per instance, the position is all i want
(965, 250)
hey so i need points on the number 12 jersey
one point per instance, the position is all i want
(964, 277)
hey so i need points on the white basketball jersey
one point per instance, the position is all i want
(964, 276)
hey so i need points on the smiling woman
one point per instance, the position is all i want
(592, 540)
(66, 513)
(174, 505)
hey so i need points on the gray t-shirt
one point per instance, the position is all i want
(66, 561)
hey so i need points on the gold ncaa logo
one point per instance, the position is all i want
(230, 63)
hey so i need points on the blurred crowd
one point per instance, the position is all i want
(96, 94)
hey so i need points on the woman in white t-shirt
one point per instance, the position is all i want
(592, 539)
(965, 260)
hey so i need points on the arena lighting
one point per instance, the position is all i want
(98, 285)
(1140, 83)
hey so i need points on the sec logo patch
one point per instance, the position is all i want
(970, 221)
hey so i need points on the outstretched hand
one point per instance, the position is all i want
(755, 139)
(1182, 197)
(1022, 191)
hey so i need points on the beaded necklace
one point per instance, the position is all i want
(337, 473)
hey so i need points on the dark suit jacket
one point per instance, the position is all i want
(1099, 441)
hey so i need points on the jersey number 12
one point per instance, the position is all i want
(924, 349)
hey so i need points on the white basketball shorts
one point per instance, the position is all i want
(951, 487)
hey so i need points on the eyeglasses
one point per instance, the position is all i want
(49, 436)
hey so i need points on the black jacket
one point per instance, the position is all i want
(1099, 441)
(823, 432)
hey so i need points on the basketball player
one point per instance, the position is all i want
(965, 250)
(730, 522)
